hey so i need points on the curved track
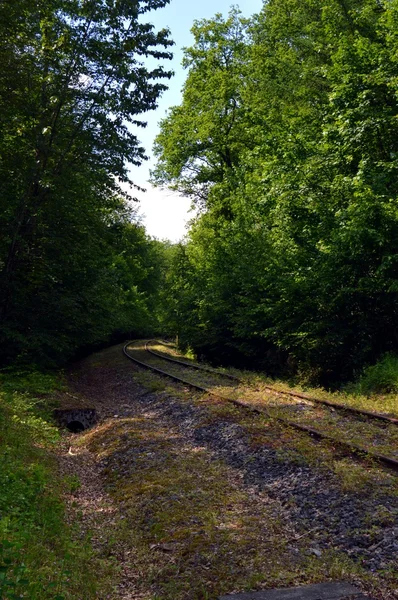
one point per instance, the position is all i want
(354, 449)
(192, 365)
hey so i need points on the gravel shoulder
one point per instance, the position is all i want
(184, 502)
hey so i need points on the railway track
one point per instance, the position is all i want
(233, 381)
(302, 396)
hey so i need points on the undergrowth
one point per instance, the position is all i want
(41, 557)
(379, 378)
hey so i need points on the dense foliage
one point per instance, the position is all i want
(287, 140)
(75, 266)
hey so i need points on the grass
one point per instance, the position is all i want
(354, 478)
(151, 384)
(41, 557)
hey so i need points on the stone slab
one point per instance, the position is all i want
(320, 591)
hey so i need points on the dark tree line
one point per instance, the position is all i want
(75, 265)
(287, 141)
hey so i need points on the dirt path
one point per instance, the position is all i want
(180, 507)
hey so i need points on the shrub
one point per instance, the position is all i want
(381, 377)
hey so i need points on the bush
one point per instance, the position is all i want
(378, 378)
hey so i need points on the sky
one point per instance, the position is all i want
(165, 213)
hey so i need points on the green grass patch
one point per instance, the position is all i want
(41, 557)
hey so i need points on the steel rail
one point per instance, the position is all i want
(353, 448)
(191, 365)
(335, 405)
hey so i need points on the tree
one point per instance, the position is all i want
(298, 241)
(200, 141)
(73, 82)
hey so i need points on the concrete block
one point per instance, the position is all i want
(320, 591)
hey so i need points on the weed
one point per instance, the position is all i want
(151, 382)
(352, 477)
(73, 483)
(383, 516)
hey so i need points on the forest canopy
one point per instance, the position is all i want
(287, 141)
